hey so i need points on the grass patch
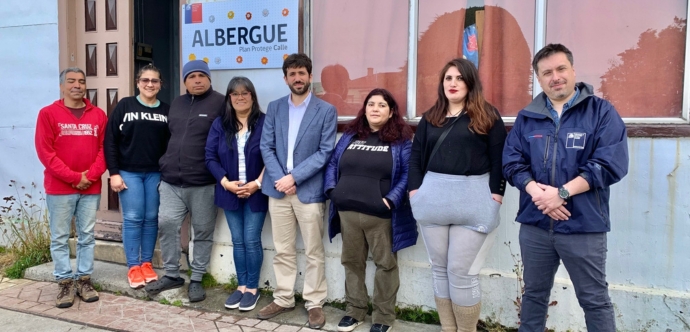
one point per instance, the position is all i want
(416, 314)
(177, 303)
(208, 281)
(118, 293)
(231, 285)
(97, 287)
(27, 233)
(489, 325)
(164, 301)
(267, 291)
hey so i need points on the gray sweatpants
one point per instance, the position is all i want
(175, 203)
(455, 213)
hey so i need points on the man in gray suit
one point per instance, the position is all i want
(297, 141)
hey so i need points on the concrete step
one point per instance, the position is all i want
(113, 278)
(114, 252)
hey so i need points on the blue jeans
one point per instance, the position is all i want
(584, 257)
(61, 209)
(245, 229)
(140, 215)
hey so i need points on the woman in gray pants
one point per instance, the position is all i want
(456, 189)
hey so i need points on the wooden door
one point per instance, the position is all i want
(99, 41)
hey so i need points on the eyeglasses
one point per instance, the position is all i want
(244, 94)
(146, 81)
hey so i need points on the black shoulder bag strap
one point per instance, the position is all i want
(440, 140)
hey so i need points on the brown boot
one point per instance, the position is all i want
(467, 317)
(65, 296)
(445, 314)
(85, 289)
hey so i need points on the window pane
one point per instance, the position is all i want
(504, 40)
(631, 51)
(359, 45)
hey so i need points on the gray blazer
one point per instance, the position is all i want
(313, 147)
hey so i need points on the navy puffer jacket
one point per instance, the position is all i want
(404, 225)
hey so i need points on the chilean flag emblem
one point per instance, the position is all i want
(192, 13)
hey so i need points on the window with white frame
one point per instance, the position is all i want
(633, 52)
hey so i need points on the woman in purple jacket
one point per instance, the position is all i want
(366, 180)
(234, 158)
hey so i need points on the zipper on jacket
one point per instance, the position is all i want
(546, 152)
(553, 161)
(184, 135)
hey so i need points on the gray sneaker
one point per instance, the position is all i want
(65, 296)
(85, 289)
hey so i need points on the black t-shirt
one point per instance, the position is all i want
(365, 177)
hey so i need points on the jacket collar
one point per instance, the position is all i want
(537, 108)
(201, 96)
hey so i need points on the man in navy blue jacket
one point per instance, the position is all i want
(565, 150)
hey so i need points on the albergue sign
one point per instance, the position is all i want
(240, 34)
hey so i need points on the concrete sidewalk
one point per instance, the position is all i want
(17, 321)
(133, 313)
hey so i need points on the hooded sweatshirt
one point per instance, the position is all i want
(67, 146)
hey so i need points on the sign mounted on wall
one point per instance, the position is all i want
(240, 34)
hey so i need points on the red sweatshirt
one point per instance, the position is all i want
(67, 146)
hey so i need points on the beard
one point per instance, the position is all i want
(303, 90)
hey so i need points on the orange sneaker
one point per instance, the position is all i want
(148, 272)
(135, 278)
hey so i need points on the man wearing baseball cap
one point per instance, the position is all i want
(186, 185)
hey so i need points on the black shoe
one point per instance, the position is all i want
(164, 284)
(196, 292)
(380, 328)
(348, 324)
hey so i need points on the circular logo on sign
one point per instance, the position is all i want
(239, 59)
(264, 60)
(211, 18)
(231, 14)
(192, 56)
(206, 59)
(265, 12)
(248, 16)
(285, 12)
(217, 60)
(285, 56)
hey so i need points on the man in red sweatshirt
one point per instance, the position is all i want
(69, 143)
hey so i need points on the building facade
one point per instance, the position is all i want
(634, 53)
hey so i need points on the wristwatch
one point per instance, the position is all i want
(258, 183)
(563, 193)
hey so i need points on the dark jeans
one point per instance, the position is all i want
(245, 230)
(584, 257)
